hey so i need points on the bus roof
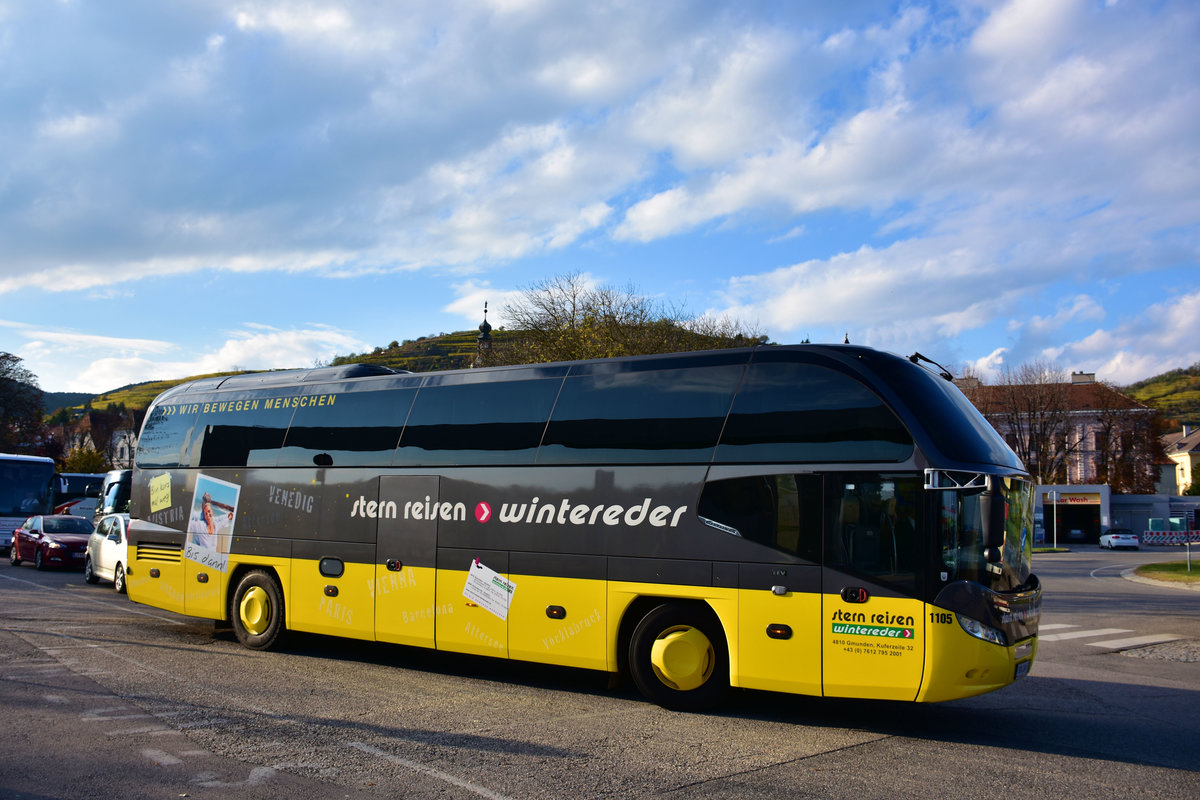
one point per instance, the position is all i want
(940, 420)
(31, 459)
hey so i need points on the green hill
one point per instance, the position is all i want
(1176, 394)
(426, 354)
(140, 395)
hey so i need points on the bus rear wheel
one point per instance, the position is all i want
(678, 658)
(256, 610)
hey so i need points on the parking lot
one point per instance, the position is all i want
(169, 706)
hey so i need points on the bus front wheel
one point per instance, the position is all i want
(256, 610)
(678, 657)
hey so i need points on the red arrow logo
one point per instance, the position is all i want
(483, 512)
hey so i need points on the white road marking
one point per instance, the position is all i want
(258, 775)
(1137, 641)
(161, 758)
(1058, 637)
(133, 731)
(482, 791)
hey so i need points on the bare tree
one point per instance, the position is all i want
(1030, 408)
(1066, 431)
(565, 318)
(1127, 442)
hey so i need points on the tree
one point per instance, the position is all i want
(84, 459)
(104, 425)
(566, 318)
(1029, 408)
(21, 428)
(1068, 431)
(1128, 443)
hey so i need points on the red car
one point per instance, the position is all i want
(54, 540)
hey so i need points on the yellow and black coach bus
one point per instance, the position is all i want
(818, 519)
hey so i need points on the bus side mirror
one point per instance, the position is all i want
(994, 510)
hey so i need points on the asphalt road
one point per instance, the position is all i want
(101, 697)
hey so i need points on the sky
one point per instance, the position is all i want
(201, 186)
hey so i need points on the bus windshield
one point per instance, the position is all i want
(963, 536)
(24, 485)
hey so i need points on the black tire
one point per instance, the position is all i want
(38, 562)
(689, 671)
(256, 610)
(119, 579)
(12, 556)
(89, 575)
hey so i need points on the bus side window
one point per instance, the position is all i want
(873, 526)
(794, 412)
(165, 436)
(361, 428)
(782, 512)
(477, 422)
(241, 429)
(627, 412)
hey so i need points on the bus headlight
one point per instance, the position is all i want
(981, 631)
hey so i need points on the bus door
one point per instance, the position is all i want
(405, 561)
(872, 625)
(777, 521)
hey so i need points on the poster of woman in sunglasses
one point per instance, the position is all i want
(210, 527)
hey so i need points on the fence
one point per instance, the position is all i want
(1170, 537)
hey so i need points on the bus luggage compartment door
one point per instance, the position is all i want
(780, 628)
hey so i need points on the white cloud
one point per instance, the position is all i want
(988, 157)
(717, 105)
(111, 362)
(991, 366)
(1027, 30)
(1163, 337)
(78, 126)
(470, 297)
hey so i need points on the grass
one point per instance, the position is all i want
(1173, 571)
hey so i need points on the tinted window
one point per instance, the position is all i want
(947, 417)
(165, 435)
(67, 525)
(873, 524)
(116, 498)
(622, 412)
(238, 429)
(486, 422)
(782, 512)
(803, 412)
(24, 486)
(360, 428)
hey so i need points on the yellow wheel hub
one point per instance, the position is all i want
(255, 610)
(682, 658)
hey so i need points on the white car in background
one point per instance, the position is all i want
(107, 552)
(1119, 538)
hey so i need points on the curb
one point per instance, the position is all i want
(1130, 575)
